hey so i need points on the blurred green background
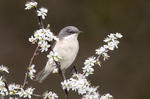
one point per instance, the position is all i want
(125, 75)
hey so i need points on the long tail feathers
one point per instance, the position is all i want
(42, 75)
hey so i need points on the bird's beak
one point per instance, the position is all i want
(79, 32)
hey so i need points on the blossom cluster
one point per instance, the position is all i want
(13, 89)
(17, 90)
(43, 37)
(112, 43)
(79, 82)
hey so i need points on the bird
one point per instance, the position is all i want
(67, 48)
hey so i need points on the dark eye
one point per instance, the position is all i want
(70, 31)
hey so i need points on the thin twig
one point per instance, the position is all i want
(36, 95)
(30, 63)
(39, 18)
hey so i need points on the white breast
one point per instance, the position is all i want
(67, 48)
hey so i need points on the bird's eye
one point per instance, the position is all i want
(70, 31)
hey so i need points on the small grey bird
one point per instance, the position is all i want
(67, 48)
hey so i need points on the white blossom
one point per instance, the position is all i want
(43, 35)
(107, 96)
(31, 72)
(4, 69)
(33, 40)
(101, 50)
(118, 35)
(107, 39)
(28, 92)
(2, 82)
(105, 56)
(91, 96)
(50, 95)
(42, 12)
(30, 5)
(88, 68)
(53, 57)
(14, 89)
(3, 90)
(115, 42)
(44, 46)
(92, 90)
(66, 85)
(90, 61)
(112, 36)
(77, 82)
(21, 93)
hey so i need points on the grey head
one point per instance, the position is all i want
(68, 30)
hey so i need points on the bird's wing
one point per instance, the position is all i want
(48, 68)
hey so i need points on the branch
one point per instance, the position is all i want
(62, 73)
(39, 18)
(36, 50)
(30, 63)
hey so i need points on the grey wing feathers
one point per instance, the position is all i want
(45, 72)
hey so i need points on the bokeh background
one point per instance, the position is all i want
(125, 75)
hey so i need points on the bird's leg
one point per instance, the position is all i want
(63, 74)
(74, 70)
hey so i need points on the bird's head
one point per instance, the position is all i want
(68, 31)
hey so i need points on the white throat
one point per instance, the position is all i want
(73, 36)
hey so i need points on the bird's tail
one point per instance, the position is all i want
(44, 73)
